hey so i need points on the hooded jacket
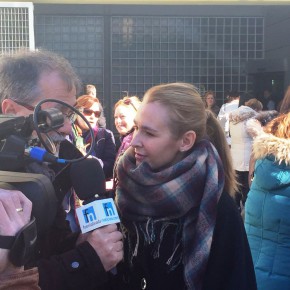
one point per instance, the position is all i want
(241, 146)
(255, 124)
(223, 117)
(267, 218)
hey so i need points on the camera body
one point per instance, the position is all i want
(16, 136)
(39, 190)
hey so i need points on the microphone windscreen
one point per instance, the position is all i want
(88, 178)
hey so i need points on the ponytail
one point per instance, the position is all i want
(217, 138)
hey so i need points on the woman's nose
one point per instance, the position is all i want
(136, 140)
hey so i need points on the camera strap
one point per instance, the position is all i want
(21, 246)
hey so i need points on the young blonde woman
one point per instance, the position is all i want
(124, 113)
(181, 227)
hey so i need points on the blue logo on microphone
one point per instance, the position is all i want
(108, 208)
(89, 214)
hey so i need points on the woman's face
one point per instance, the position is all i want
(210, 100)
(124, 119)
(92, 115)
(153, 141)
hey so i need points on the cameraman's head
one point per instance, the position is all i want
(28, 77)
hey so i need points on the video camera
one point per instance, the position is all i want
(19, 140)
(15, 139)
(16, 136)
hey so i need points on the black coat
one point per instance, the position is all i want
(105, 149)
(61, 264)
(230, 265)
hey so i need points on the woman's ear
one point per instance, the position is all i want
(187, 141)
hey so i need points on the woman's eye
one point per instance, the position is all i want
(149, 133)
(121, 117)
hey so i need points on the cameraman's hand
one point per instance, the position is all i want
(15, 212)
(108, 244)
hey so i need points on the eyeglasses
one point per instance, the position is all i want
(71, 116)
(129, 102)
(89, 112)
(26, 106)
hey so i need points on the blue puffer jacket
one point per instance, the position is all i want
(267, 213)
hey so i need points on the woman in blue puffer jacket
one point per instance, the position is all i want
(267, 211)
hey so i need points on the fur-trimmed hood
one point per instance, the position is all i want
(267, 144)
(255, 124)
(241, 114)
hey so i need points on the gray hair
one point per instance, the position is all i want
(20, 73)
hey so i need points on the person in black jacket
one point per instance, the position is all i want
(174, 192)
(65, 261)
(104, 147)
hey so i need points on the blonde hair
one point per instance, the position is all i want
(217, 136)
(187, 112)
(127, 101)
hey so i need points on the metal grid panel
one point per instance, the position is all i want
(210, 52)
(16, 27)
(80, 39)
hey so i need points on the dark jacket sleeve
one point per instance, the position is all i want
(105, 149)
(76, 269)
(62, 265)
(230, 265)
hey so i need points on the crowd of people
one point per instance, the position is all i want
(183, 172)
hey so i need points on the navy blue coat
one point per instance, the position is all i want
(104, 149)
(230, 265)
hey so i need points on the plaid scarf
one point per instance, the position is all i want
(197, 181)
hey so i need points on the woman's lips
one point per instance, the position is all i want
(121, 128)
(139, 157)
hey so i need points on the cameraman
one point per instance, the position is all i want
(64, 260)
(15, 211)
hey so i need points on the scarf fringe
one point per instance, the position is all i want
(137, 242)
(148, 232)
(194, 184)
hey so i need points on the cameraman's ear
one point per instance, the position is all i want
(10, 107)
(187, 141)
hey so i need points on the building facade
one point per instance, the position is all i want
(126, 49)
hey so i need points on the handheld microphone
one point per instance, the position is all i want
(88, 181)
(41, 155)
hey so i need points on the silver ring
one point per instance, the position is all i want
(19, 209)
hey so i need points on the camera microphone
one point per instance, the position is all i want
(88, 181)
(40, 154)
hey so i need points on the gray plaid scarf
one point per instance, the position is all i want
(197, 181)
